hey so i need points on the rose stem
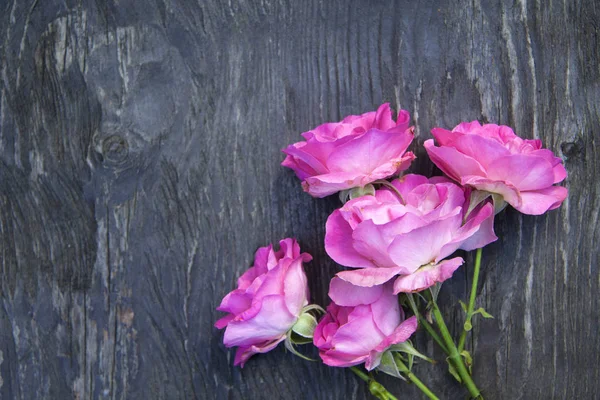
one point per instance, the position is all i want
(423, 322)
(471, 306)
(413, 378)
(454, 355)
(376, 388)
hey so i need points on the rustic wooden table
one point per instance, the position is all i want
(140, 148)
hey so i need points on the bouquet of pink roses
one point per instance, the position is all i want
(397, 235)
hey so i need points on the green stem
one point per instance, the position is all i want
(360, 374)
(471, 305)
(376, 388)
(423, 322)
(412, 377)
(454, 355)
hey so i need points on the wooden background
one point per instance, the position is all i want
(140, 148)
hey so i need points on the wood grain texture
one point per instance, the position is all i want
(140, 149)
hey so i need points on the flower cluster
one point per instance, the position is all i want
(397, 234)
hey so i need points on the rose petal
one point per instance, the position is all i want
(344, 293)
(482, 149)
(244, 353)
(422, 245)
(408, 182)
(510, 193)
(235, 302)
(383, 118)
(222, 323)
(403, 120)
(540, 201)
(523, 171)
(359, 335)
(401, 334)
(295, 287)
(370, 276)
(338, 359)
(444, 137)
(327, 184)
(369, 151)
(484, 218)
(338, 243)
(308, 157)
(427, 276)
(452, 162)
(386, 311)
(270, 321)
(462, 237)
(466, 127)
(369, 241)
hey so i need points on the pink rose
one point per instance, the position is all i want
(351, 153)
(384, 237)
(360, 325)
(492, 158)
(268, 301)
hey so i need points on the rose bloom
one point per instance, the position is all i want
(267, 302)
(492, 158)
(384, 237)
(352, 153)
(360, 325)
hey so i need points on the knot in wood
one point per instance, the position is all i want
(115, 149)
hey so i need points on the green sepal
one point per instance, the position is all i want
(388, 365)
(367, 190)
(499, 203)
(435, 290)
(290, 346)
(344, 196)
(305, 325)
(408, 348)
(468, 359)
(312, 307)
(477, 197)
(297, 339)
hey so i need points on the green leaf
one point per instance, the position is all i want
(453, 371)
(483, 313)
(463, 305)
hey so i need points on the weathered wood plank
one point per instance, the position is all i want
(140, 149)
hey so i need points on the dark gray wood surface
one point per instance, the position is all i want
(140, 148)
